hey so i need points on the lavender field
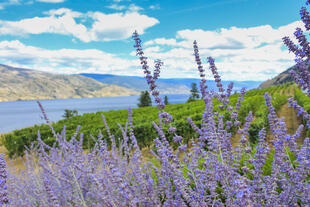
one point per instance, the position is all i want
(175, 168)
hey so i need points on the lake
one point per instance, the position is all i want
(21, 114)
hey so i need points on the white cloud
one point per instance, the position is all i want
(152, 49)
(63, 23)
(118, 26)
(129, 8)
(134, 8)
(65, 61)
(254, 53)
(9, 3)
(20, 2)
(238, 37)
(162, 41)
(154, 7)
(105, 27)
(232, 38)
(116, 7)
(51, 1)
(63, 11)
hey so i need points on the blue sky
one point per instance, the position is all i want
(94, 36)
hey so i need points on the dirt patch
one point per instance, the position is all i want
(292, 121)
(235, 140)
(290, 116)
(17, 163)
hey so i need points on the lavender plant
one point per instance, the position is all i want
(302, 52)
(302, 58)
(208, 172)
(3, 179)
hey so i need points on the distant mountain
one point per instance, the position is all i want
(166, 86)
(25, 84)
(283, 77)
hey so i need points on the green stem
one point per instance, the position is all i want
(79, 189)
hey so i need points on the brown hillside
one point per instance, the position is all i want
(282, 78)
(24, 84)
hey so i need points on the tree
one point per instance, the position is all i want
(145, 99)
(194, 93)
(166, 100)
(70, 113)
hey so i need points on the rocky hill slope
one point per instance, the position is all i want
(24, 84)
(283, 77)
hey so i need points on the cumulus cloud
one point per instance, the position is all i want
(59, 22)
(66, 61)
(118, 26)
(254, 53)
(105, 27)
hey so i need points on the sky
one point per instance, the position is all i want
(94, 36)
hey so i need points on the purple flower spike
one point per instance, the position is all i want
(203, 86)
(304, 15)
(52, 197)
(302, 52)
(217, 77)
(291, 46)
(151, 79)
(3, 179)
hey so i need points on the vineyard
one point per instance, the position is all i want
(92, 123)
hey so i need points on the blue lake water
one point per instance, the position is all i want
(21, 114)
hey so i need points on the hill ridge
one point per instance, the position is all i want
(283, 77)
(28, 84)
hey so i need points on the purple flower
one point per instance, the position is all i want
(177, 139)
(149, 78)
(203, 86)
(51, 195)
(304, 14)
(3, 179)
(216, 76)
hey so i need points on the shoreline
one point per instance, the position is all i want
(77, 98)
